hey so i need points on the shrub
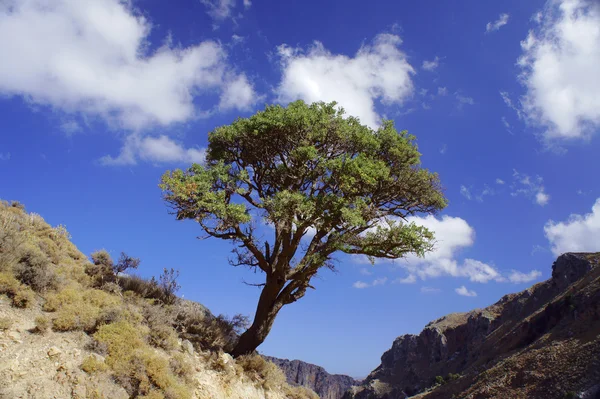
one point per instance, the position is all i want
(182, 367)
(168, 284)
(42, 324)
(299, 392)
(194, 323)
(35, 269)
(125, 263)
(452, 377)
(24, 297)
(260, 370)
(142, 287)
(135, 365)
(5, 323)
(82, 310)
(93, 364)
(439, 380)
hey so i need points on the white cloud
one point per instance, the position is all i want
(499, 181)
(487, 190)
(530, 187)
(160, 149)
(410, 279)
(579, 233)
(430, 290)
(92, 57)
(365, 272)
(374, 283)
(4, 156)
(443, 149)
(219, 10)
(452, 234)
(497, 24)
(378, 72)
(431, 65)
(519, 277)
(465, 192)
(360, 285)
(237, 93)
(247, 4)
(510, 104)
(464, 291)
(560, 70)
(442, 91)
(464, 100)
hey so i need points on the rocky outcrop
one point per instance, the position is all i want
(541, 342)
(327, 386)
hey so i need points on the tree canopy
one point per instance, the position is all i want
(321, 180)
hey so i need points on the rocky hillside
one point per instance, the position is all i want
(543, 342)
(75, 328)
(327, 386)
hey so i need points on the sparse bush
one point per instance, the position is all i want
(299, 392)
(42, 324)
(142, 287)
(101, 268)
(439, 380)
(125, 263)
(17, 205)
(92, 364)
(35, 269)
(452, 377)
(82, 310)
(5, 323)
(21, 295)
(182, 367)
(135, 365)
(260, 370)
(168, 284)
(194, 323)
(24, 297)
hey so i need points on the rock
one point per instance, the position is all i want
(54, 351)
(327, 386)
(187, 347)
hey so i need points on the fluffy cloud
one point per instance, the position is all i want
(464, 291)
(577, 234)
(452, 234)
(520, 277)
(499, 181)
(529, 187)
(4, 156)
(378, 72)
(497, 24)
(430, 290)
(160, 149)
(93, 57)
(560, 69)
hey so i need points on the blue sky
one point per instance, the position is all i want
(99, 97)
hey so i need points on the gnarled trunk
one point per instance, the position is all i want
(266, 311)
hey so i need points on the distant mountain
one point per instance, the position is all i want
(543, 342)
(327, 386)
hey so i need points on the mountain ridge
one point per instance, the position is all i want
(492, 352)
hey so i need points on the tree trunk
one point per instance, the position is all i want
(266, 311)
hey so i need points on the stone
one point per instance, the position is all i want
(187, 347)
(54, 351)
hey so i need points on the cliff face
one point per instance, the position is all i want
(541, 342)
(327, 386)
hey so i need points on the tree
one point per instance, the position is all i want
(325, 184)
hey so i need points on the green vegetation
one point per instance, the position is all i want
(136, 324)
(305, 168)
